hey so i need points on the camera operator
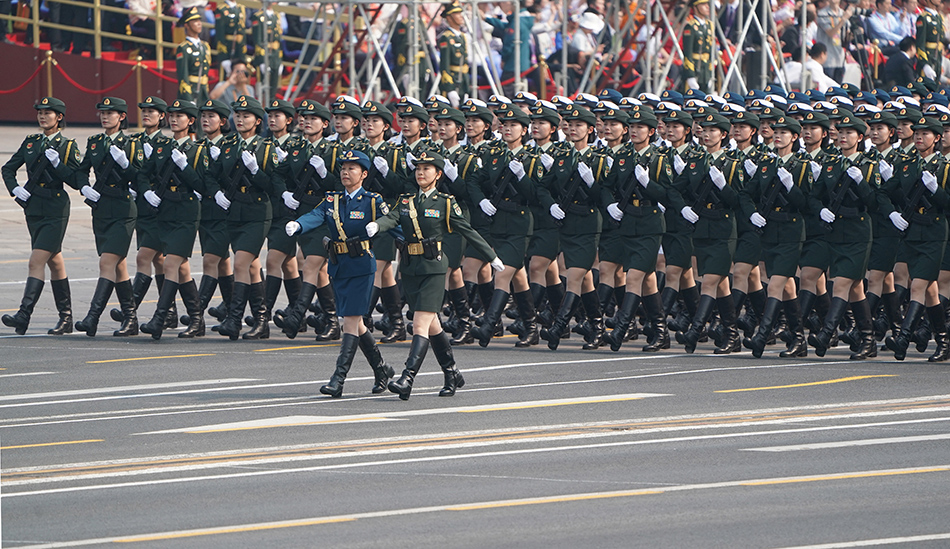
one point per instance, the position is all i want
(832, 20)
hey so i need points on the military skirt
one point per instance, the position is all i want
(780, 251)
(352, 294)
(178, 225)
(248, 225)
(508, 235)
(580, 248)
(423, 292)
(48, 229)
(850, 243)
(147, 232)
(748, 244)
(612, 245)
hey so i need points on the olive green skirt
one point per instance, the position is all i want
(248, 236)
(47, 233)
(424, 292)
(113, 235)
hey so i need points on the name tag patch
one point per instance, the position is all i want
(433, 213)
(357, 215)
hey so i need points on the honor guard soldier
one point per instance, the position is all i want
(698, 48)
(425, 217)
(930, 37)
(115, 159)
(453, 55)
(51, 160)
(352, 265)
(172, 182)
(641, 178)
(845, 190)
(570, 191)
(774, 200)
(924, 199)
(267, 34)
(192, 59)
(230, 33)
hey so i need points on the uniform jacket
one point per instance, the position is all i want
(250, 197)
(513, 200)
(297, 175)
(642, 214)
(192, 63)
(784, 216)
(116, 201)
(715, 207)
(862, 196)
(230, 29)
(582, 210)
(929, 210)
(30, 152)
(179, 202)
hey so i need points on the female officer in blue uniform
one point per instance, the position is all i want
(352, 266)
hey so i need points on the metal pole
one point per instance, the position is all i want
(159, 37)
(138, 86)
(265, 89)
(564, 15)
(303, 52)
(647, 46)
(516, 21)
(764, 21)
(96, 30)
(806, 74)
(351, 62)
(49, 73)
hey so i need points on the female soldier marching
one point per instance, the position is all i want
(352, 265)
(424, 217)
(51, 160)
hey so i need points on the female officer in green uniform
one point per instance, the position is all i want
(352, 265)
(504, 188)
(242, 183)
(773, 201)
(425, 217)
(640, 179)
(846, 189)
(51, 160)
(570, 192)
(115, 158)
(172, 182)
(922, 193)
(710, 183)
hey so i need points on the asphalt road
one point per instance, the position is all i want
(212, 443)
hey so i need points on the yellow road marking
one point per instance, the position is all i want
(144, 358)
(549, 405)
(541, 501)
(50, 444)
(216, 531)
(846, 477)
(826, 382)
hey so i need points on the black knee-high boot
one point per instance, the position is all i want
(328, 303)
(382, 372)
(727, 317)
(417, 354)
(864, 322)
(226, 285)
(368, 316)
(793, 316)
(691, 297)
(442, 348)
(140, 285)
(486, 331)
(628, 308)
(595, 318)
(892, 311)
(555, 295)
(758, 341)
(463, 317)
(392, 303)
(566, 310)
(938, 324)
(822, 339)
(101, 296)
(528, 314)
(231, 326)
(655, 312)
(130, 322)
(157, 324)
(64, 306)
(344, 360)
(293, 318)
(262, 301)
(31, 294)
(901, 341)
(690, 337)
(191, 297)
(171, 321)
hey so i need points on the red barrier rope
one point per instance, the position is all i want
(23, 85)
(160, 75)
(87, 90)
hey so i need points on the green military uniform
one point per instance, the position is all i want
(677, 240)
(453, 59)
(212, 227)
(697, 51)
(146, 231)
(267, 34)
(929, 41)
(886, 237)
(748, 243)
(230, 32)
(816, 251)
(47, 210)
(114, 214)
(192, 62)
(467, 164)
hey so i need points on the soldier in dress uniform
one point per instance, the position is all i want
(172, 181)
(242, 183)
(116, 159)
(930, 39)
(51, 160)
(425, 216)
(614, 135)
(352, 265)
(230, 33)
(698, 48)
(268, 54)
(192, 59)
(453, 55)
(347, 117)
(774, 200)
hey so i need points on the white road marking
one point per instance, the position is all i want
(28, 374)
(849, 443)
(873, 542)
(507, 503)
(125, 389)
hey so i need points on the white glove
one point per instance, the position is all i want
(319, 165)
(152, 198)
(855, 174)
(643, 176)
(815, 169)
(517, 168)
(547, 161)
(689, 215)
(292, 228)
(453, 97)
(678, 164)
(557, 212)
(221, 200)
(213, 150)
(757, 220)
(180, 159)
(785, 177)
(898, 220)
(120, 157)
(147, 148)
(289, 200)
(251, 162)
(586, 174)
(930, 181)
(198, 196)
(497, 264)
(615, 211)
(826, 215)
(750, 167)
(90, 193)
(281, 155)
(886, 170)
(21, 193)
(661, 207)
(692, 83)
(133, 193)
(381, 166)
(487, 207)
(53, 156)
(450, 170)
(372, 228)
(410, 161)
(929, 72)
(717, 178)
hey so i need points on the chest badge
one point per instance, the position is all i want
(430, 212)
(357, 214)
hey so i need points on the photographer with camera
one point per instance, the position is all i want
(832, 21)
(237, 84)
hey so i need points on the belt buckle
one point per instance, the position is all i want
(709, 205)
(920, 210)
(173, 188)
(636, 202)
(242, 189)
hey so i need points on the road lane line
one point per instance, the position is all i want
(849, 443)
(26, 374)
(462, 507)
(872, 542)
(145, 358)
(122, 389)
(51, 444)
(810, 384)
